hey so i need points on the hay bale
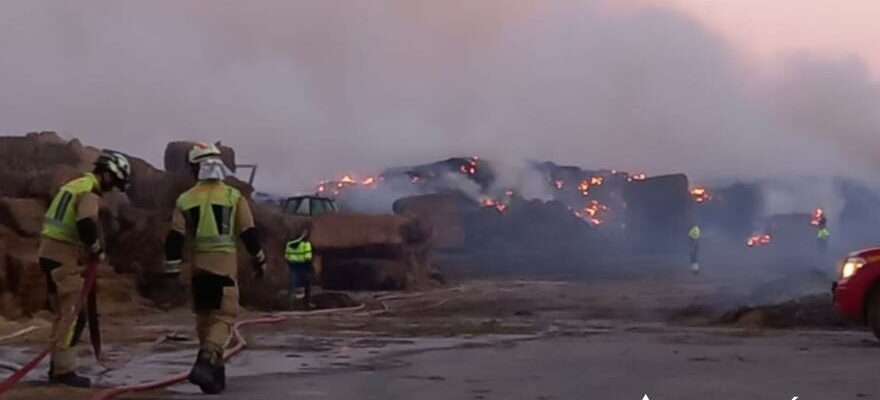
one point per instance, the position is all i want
(365, 274)
(659, 213)
(441, 215)
(354, 230)
(24, 216)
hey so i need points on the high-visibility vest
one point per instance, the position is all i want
(60, 220)
(695, 233)
(298, 251)
(210, 209)
(824, 233)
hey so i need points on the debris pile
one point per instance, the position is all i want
(33, 167)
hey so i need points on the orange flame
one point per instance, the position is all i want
(700, 194)
(818, 217)
(489, 202)
(591, 211)
(758, 240)
(584, 188)
(597, 181)
(639, 176)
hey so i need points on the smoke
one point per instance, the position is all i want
(310, 89)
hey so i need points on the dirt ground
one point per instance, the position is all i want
(566, 337)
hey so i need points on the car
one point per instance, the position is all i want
(308, 205)
(857, 292)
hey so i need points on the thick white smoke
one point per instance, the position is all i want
(310, 89)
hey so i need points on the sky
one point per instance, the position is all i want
(768, 30)
(312, 89)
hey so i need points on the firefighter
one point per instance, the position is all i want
(694, 235)
(207, 218)
(70, 236)
(298, 253)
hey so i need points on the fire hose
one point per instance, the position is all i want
(86, 294)
(240, 343)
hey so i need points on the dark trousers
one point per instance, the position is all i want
(300, 276)
(695, 251)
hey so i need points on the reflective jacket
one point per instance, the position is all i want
(210, 209)
(695, 233)
(60, 220)
(823, 234)
(298, 251)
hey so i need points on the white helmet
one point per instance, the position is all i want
(118, 165)
(202, 151)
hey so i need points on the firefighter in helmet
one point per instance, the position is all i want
(207, 219)
(70, 236)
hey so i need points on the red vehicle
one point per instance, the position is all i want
(857, 293)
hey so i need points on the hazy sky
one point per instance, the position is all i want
(311, 89)
(769, 29)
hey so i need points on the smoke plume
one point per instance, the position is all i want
(310, 89)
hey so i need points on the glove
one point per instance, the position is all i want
(259, 265)
(96, 253)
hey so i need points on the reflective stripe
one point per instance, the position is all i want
(210, 209)
(60, 219)
(214, 241)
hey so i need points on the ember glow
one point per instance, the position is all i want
(640, 176)
(592, 212)
(498, 205)
(818, 217)
(700, 194)
(560, 184)
(584, 188)
(758, 240)
(597, 181)
(470, 167)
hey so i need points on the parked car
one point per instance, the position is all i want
(857, 292)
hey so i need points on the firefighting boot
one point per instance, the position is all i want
(205, 372)
(220, 377)
(695, 268)
(70, 379)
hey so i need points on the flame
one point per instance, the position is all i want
(700, 194)
(818, 217)
(347, 178)
(758, 240)
(470, 168)
(591, 211)
(415, 179)
(597, 181)
(369, 181)
(584, 187)
(489, 202)
(509, 193)
(559, 184)
(639, 176)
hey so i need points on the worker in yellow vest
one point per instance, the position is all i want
(207, 218)
(70, 236)
(298, 253)
(694, 235)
